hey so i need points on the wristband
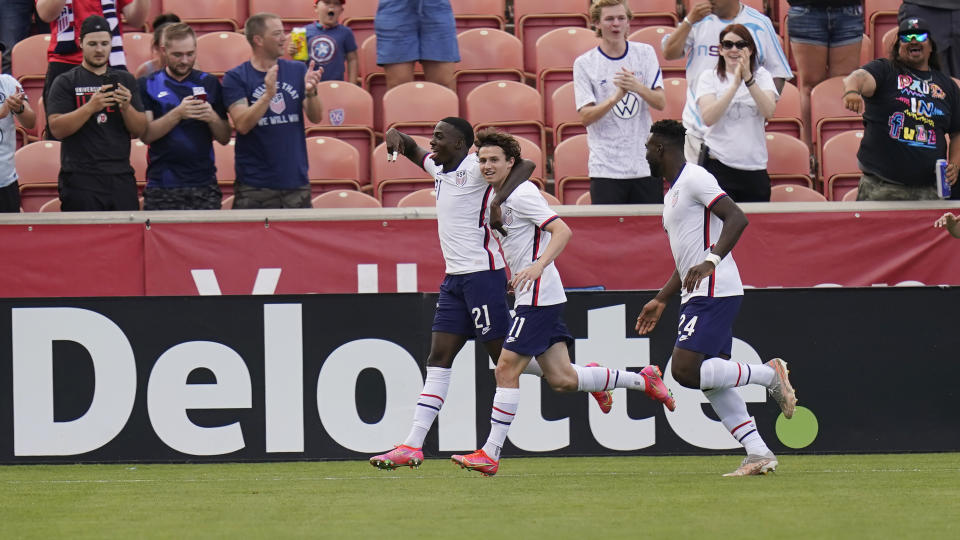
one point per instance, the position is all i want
(713, 258)
(753, 81)
(848, 92)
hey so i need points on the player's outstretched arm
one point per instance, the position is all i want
(734, 222)
(647, 320)
(398, 142)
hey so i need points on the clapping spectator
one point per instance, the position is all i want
(416, 30)
(13, 103)
(735, 101)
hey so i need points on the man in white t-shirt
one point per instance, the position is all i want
(534, 237)
(711, 293)
(13, 103)
(615, 85)
(698, 38)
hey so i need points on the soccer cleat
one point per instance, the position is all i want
(478, 461)
(753, 465)
(604, 398)
(401, 456)
(655, 388)
(782, 391)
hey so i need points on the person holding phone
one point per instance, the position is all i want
(185, 113)
(94, 110)
(13, 104)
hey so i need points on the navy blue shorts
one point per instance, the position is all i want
(825, 26)
(706, 325)
(473, 304)
(536, 329)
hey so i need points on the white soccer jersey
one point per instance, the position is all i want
(693, 230)
(463, 202)
(617, 139)
(703, 57)
(525, 214)
(8, 132)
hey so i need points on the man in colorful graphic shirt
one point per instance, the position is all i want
(909, 108)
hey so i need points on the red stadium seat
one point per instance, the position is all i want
(487, 55)
(53, 205)
(374, 80)
(533, 18)
(138, 160)
(509, 106)
(885, 45)
(787, 117)
(416, 107)
(653, 36)
(530, 150)
(208, 15)
(421, 197)
(345, 198)
(839, 169)
(675, 90)
(38, 166)
(223, 158)
(28, 60)
(570, 169)
(788, 160)
(827, 113)
(333, 164)
(654, 12)
(850, 195)
(565, 118)
(138, 48)
(584, 199)
(348, 116)
(292, 13)
(881, 16)
(555, 53)
(551, 200)
(795, 194)
(219, 52)
(358, 16)
(394, 179)
(471, 14)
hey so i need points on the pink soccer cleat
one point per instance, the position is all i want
(782, 391)
(604, 398)
(400, 456)
(478, 461)
(655, 387)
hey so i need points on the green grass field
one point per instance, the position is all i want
(863, 496)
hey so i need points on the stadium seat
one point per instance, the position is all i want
(292, 13)
(654, 13)
(219, 52)
(28, 64)
(226, 203)
(333, 164)
(420, 197)
(53, 205)
(565, 118)
(358, 16)
(374, 80)
(881, 16)
(509, 106)
(208, 15)
(839, 169)
(470, 14)
(394, 179)
(530, 150)
(416, 107)
(487, 55)
(345, 198)
(885, 45)
(38, 166)
(533, 18)
(866, 50)
(570, 169)
(551, 200)
(795, 194)
(788, 160)
(827, 113)
(850, 195)
(675, 90)
(584, 199)
(555, 53)
(787, 117)
(348, 116)
(653, 36)
(137, 48)
(138, 160)
(223, 158)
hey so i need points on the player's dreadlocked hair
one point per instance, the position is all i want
(463, 127)
(670, 131)
(506, 142)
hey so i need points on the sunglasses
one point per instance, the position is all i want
(919, 38)
(738, 44)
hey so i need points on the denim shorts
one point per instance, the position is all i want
(825, 26)
(411, 30)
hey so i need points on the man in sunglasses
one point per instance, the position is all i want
(909, 108)
(944, 19)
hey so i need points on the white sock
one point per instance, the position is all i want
(505, 403)
(428, 406)
(533, 368)
(716, 373)
(599, 379)
(732, 410)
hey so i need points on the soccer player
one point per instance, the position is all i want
(472, 299)
(534, 237)
(703, 224)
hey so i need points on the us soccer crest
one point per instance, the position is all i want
(277, 104)
(336, 117)
(461, 178)
(508, 216)
(675, 198)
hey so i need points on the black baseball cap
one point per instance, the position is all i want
(913, 25)
(94, 23)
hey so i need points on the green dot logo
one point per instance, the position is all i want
(800, 431)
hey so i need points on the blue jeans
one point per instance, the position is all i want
(825, 26)
(14, 25)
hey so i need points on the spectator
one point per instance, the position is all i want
(825, 38)
(909, 108)
(696, 38)
(735, 102)
(155, 63)
(944, 23)
(185, 112)
(949, 222)
(617, 115)
(329, 43)
(266, 98)
(64, 52)
(14, 26)
(412, 30)
(94, 110)
(13, 103)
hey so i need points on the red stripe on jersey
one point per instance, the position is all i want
(483, 207)
(486, 230)
(536, 244)
(536, 293)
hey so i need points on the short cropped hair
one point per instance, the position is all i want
(598, 5)
(494, 137)
(256, 25)
(464, 127)
(175, 31)
(671, 132)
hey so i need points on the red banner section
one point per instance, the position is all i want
(795, 249)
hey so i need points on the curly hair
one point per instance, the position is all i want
(494, 137)
(670, 131)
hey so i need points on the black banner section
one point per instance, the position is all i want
(336, 377)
